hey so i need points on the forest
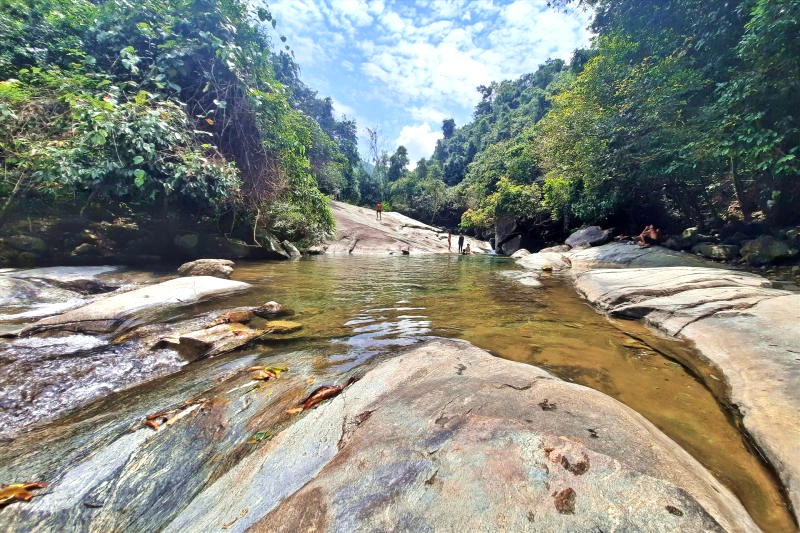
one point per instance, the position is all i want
(168, 111)
(681, 113)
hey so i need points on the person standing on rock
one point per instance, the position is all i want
(378, 211)
(460, 242)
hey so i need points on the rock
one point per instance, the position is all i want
(224, 247)
(519, 254)
(718, 252)
(121, 311)
(187, 242)
(445, 437)
(291, 249)
(26, 243)
(282, 327)
(211, 341)
(510, 245)
(621, 254)
(272, 310)
(271, 247)
(545, 261)
(589, 236)
(561, 248)
(749, 331)
(765, 250)
(531, 279)
(219, 268)
(85, 249)
(358, 233)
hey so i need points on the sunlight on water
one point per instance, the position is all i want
(368, 308)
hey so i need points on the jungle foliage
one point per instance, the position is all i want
(161, 106)
(682, 112)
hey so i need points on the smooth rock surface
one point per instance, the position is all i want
(447, 437)
(137, 306)
(359, 233)
(219, 268)
(589, 236)
(621, 255)
(746, 329)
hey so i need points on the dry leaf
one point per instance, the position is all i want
(321, 393)
(19, 492)
(294, 410)
(310, 380)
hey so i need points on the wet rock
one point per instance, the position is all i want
(399, 448)
(121, 311)
(282, 326)
(746, 329)
(589, 236)
(224, 247)
(219, 268)
(86, 249)
(718, 252)
(272, 310)
(766, 250)
(519, 254)
(211, 341)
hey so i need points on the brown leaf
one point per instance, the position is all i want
(310, 380)
(321, 393)
(19, 492)
(294, 410)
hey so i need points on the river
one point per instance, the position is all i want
(357, 311)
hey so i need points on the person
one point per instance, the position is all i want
(467, 250)
(649, 236)
(460, 242)
(449, 241)
(379, 211)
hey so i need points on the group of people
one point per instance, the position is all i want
(463, 250)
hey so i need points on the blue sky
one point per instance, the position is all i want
(403, 67)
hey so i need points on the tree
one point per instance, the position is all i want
(448, 127)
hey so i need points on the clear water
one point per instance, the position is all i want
(358, 309)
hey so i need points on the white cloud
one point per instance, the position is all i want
(419, 140)
(405, 66)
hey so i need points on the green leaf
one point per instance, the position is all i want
(139, 177)
(138, 160)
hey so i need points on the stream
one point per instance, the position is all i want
(357, 311)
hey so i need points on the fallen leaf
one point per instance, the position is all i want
(321, 393)
(243, 513)
(310, 380)
(266, 372)
(210, 122)
(19, 492)
(258, 437)
(294, 410)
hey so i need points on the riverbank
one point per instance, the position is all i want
(738, 322)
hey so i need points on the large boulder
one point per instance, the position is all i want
(589, 236)
(447, 437)
(765, 250)
(746, 329)
(359, 233)
(138, 306)
(618, 254)
(219, 268)
(717, 252)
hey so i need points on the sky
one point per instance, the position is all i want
(402, 67)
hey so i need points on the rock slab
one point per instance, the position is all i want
(447, 437)
(109, 314)
(746, 329)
